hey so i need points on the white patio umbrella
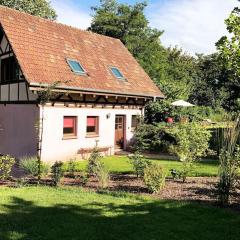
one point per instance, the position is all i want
(182, 103)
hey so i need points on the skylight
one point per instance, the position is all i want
(76, 66)
(116, 72)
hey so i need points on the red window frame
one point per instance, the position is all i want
(92, 125)
(69, 126)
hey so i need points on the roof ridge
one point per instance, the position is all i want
(57, 23)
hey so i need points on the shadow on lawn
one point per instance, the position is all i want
(145, 220)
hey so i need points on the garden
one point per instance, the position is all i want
(179, 179)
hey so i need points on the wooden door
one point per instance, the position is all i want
(119, 131)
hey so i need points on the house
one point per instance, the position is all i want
(99, 89)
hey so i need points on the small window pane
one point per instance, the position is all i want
(116, 72)
(75, 66)
(69, 126)
(92, 125)
(135, 121)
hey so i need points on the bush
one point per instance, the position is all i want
(6, 164)
(138, 163)
(94, 162)
(71, 168)
(192, 142)
(57, 172)
(229, 162)
(30, 166)
(154, 177)
(103, 175)
(153, 138)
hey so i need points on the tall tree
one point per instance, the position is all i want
(41, 8)
(208, 89)
(180, 72)
(171, 69)
(229, 55)
(129, 24)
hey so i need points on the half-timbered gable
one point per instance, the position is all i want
(13, 86)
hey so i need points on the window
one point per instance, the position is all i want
(116, 72)
(76, 66)
(69, 126)
(9, 70)
(135, 121)
(92, 125)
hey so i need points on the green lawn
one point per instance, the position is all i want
(121, 164)
(44, 213)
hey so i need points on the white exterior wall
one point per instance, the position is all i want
(18, 135)
(55, 148)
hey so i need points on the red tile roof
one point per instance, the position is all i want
(42, 47)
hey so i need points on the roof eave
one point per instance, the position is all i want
(34, 85)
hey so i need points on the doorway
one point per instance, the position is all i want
(119, 131)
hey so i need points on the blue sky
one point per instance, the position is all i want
(194, 25)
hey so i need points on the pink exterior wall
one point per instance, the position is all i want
(56, 148)
(17, 129)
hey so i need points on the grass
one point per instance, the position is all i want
(34, 213)
(121, 164)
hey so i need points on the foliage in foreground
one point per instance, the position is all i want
(94, 162)
(192, 142)
(103, 175)
(57, 172)
(6, 164)
(139, 163)
(30, 165)
(229, 162)
(154, 177)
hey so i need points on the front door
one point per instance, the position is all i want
(119, 131)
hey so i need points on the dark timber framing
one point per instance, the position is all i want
(8, 52)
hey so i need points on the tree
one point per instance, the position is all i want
(44, 96)
(129, 24)
(208, 89)
(180, 72)
(41, 8)
(229, 55)
(171, 69)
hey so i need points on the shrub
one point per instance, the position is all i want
(103, 175)
(151, 138)
(154, 177)
(229, 162)
(30, 166)
(192, 142)
(71, 168)
(6, 164)
(94, 162)
(138, 163)
(81, 177)
(57, 172)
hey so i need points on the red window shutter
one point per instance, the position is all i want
(68, 122)
(91, 121)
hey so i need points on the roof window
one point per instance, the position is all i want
(76, 67)
(116, 72)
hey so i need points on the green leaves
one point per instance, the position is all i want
(229, 56)
(39, 8)
(192, 142)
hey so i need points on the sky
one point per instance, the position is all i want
(193, 25)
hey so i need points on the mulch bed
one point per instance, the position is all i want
(199, 189)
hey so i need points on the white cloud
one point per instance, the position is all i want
(194, 25)
(69, 13)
